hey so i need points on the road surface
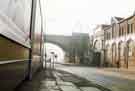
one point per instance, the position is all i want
(113, 81)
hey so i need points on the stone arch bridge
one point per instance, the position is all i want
(67, 43)
(63, 41)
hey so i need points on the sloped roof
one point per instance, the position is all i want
(103, 26)
(127, 18)
(118, 18)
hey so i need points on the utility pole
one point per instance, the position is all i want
(42, 35)
(32, 30)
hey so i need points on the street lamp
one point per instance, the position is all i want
(45, 61)
(53, 55)
(56, 56)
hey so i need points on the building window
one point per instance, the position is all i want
(130, 51)
(107, 35)
(113, 30)
(102, 44)
(121, 46)
(122, 51)
(133, 27)
(130, 28)
(122, 31)
(130, 48)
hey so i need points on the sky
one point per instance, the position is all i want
(63, 17)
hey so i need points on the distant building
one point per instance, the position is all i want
(80, 47)
(99, 42)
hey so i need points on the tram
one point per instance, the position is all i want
(21, 41)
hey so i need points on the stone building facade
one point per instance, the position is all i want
(99, 43)
(119, 44)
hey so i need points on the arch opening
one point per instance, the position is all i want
(57, 50)
(130, 54)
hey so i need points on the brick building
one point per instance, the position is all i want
(120, 42)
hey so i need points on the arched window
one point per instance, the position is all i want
(97, 44)
(107, 51)
(114, 49)
(121, 49)
(130, 48)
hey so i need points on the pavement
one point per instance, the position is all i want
(111, 78)
(58, 80)
(80, 78)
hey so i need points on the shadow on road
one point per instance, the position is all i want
(78, 81)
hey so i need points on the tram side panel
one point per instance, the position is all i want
(14, 63)
(14, 42)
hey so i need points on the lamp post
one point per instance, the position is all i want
(56, 56)
(45, 62)
(53, 59)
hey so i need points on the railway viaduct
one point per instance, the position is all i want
(63, 41)
(67, 43)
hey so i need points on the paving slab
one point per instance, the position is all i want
(69, 88)
(57, 77)
(89, 89)
(54, 87)
(48, 83)
(65, 83)
(48, 90)
(44, 89)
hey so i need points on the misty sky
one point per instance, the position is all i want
(65, 16)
